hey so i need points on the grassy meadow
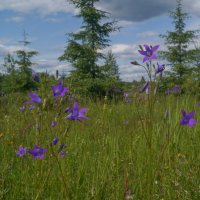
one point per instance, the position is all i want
(123, 151)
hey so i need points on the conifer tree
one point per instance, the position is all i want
(177, 42)
(111, 68)
(83, 47)
(24, 62)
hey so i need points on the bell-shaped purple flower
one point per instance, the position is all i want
(59, 90)
(53, 123)
(22, 151)
(34, 98)
(37, 152)
(145, 86)
(62, 154)
(31, 107)
(187, 119)
(35, 76)
(54, 141)
(149, 52)
(22, 108)
(160, 68)
(76, 113)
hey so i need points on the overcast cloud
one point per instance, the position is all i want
(131, 10)
(140, 10)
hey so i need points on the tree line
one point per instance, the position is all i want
(95, 72)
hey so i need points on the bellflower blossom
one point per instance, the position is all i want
(35, 76)
(22, 108)
(145, 86)
(53, 123)
(76, 113)
(59, 90)
(149, 52)
(187, 119)
(34, 98)
(37, 152)
(160, 68)
(22, 151)
(54, 141)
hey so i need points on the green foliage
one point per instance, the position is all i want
(110, 68)
(107, 155)
(178, 54)
(96, 88)
(18, 75)
(83, 47)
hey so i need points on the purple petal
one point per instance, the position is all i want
(144, 53)
(155, 48)
(192, 122)
(146, 58)
(153, 56)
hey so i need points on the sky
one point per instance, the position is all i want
(47, 22)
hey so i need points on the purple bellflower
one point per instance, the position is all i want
(53, 123)
(59, 90)
(160, 68)
(54, 141)
(34, 98)
(22, 108)
(62, 146)
(145, 86)
(62, 154)
(35, 76)
(31, 107)
(37, 152)
(22, 151)
(67, 110)
(149, 52)
(76, 113)
(187, 119)
(168, 91)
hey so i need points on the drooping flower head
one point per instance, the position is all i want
(31, 107)
(149, 52)
(59, 90)
(168, 91)
(54, 141)
(76, 113)
(37, 152)
(62, 154)
(22, 151)
(22, 108)
(145, 86)
(62, 146)
(160, 68)
(187, 119)
(126, 95)
(53, 123)
(176, 89)
(34, 98)
(35, 76)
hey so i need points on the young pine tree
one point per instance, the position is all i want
(24, 63)
(110, 68)
(83, 47)
(177, 42)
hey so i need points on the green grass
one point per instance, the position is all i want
(107, 158)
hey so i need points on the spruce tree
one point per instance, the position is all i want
(111, 68)
(9, 63)
(177, 42)
(24, 63)
(83, 47)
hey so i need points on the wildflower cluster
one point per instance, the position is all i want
(74, 113)
(154, 72)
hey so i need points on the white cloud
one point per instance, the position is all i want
(15, 19)
(148, 34)
(44, 7)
